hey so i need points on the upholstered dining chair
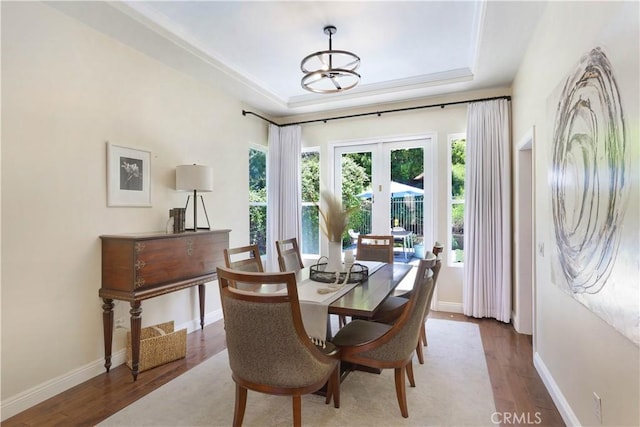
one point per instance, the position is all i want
(375, 248)
(289, 257)
(244, 258)
(384, 346)
(392, 307)
(269, 350)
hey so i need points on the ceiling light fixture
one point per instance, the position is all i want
(330, 71)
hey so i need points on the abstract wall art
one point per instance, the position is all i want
(593, 179)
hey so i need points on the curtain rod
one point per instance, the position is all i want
(378, 113)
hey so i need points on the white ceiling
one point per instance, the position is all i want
(409, 49)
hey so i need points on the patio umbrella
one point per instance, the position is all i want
(398, 190)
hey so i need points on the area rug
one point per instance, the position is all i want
(452, 389)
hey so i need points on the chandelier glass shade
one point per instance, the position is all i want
(330, 71)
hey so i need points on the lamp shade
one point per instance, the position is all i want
(194, 178)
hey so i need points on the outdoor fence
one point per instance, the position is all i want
(407, 213)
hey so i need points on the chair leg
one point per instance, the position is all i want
(419, 352)
(241, 404)
(336, 386)
(401, 392)
(297, 411)
(327, 397)
(342, 320)
(333, 388)
(423, 331)
(409, 369)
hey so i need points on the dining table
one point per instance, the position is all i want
(319, 299)
(361, 299)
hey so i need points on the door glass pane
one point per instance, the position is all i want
(356, 193)
(406, 189)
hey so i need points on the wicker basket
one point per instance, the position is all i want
(158, 344)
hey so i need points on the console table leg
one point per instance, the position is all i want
(136, 323)
(201, 296)
(107, 327)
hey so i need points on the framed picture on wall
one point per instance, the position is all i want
(128, 176)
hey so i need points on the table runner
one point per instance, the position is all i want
(314, 306)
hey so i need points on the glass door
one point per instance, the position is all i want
(384, 183)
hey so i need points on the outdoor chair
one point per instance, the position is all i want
(269, 350)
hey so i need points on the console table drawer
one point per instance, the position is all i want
(132, 264)
(161, 261)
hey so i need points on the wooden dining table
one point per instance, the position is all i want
(364, 299)
(359, 300)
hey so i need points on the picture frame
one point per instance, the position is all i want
(128, 177)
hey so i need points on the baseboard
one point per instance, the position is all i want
(449, 307)
(25, 400)
(568, 416)
(38, 394)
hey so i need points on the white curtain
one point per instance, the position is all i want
(487, 234)
(284, 199)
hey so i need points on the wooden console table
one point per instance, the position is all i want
(136, 267)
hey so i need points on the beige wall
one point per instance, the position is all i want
(577, 352)
(66, 90)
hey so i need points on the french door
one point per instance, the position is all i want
(395, 183)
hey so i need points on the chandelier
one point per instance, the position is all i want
(330, 71)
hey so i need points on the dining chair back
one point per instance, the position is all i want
(392, 307)
(289, 257)
(384, 346)
(269, 350)
(375, 248)
(423, 333)
(244, 258)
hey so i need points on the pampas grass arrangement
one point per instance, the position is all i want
(334, 218)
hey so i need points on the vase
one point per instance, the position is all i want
(334, 258)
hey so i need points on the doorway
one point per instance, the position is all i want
(390, 182)
(524, 294)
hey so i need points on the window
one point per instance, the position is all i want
(310, 169)
(457, 149)
(258, 198)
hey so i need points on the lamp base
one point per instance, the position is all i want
(195, 213)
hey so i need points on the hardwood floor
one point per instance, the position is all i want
(519, 394)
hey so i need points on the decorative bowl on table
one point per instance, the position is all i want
(356, 273)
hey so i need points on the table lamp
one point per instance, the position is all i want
(195, 178)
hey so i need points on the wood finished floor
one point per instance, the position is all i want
(517, 387)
